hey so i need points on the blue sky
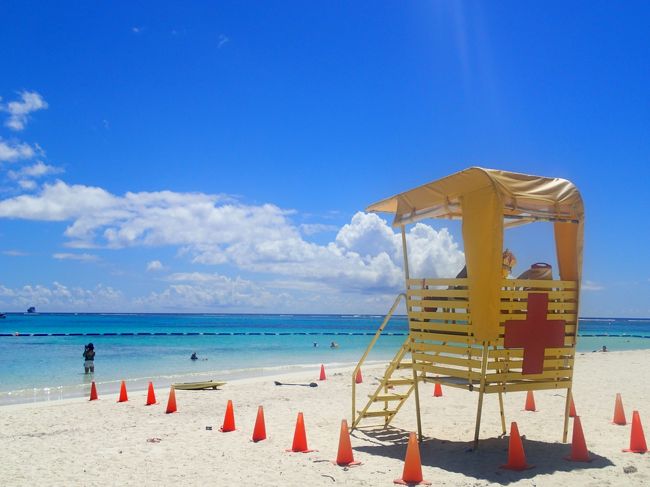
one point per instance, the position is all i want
(204, 156)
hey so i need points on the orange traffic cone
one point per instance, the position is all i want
(151, 396)
(637, 438)
(572, 409)
(359, 378)
(123, 396)
(437, 390)
(619, 413)
(345, 457)
(93, 392)
(259, 431)
(322, 373)
(530, 402)
(516, 455)
(579, 452)
(171, 403)
(412, 474)
(300, 437)
(228, 419)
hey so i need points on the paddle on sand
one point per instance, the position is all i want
(311, 384)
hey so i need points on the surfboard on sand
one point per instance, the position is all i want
(195, 386)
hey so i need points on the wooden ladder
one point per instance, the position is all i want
(392, 392)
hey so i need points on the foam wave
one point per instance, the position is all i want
(49, 393)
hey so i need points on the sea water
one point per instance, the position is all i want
(41, 354)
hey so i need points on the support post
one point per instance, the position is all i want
(503, 416)
(481, 392)
(501, 412)
(415, 374)
(354, 404)
(567, 407)
(417, 394)
(406, 258)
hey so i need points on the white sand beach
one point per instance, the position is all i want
(100, 443)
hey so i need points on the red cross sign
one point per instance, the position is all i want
(534, 334)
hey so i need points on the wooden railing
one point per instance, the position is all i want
(444, 344)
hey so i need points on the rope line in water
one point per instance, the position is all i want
(246, 333)
(189, 333)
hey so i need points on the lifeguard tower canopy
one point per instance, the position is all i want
(488, 201)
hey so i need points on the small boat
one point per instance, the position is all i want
(2, 316)
(196, 386)
(31, 309)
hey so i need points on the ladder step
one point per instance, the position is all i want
(399, 382)
(405, 365)
(372, 414)
(391, 397)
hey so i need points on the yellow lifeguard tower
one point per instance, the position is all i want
(484, 332)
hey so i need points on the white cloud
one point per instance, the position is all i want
(209, 229)
(157, 218)
(15, 253)
(30, 101)
(27, 184)
(588, 285)
(154, 265)
(15, 151)
(366, 255)
(60, 202)
(314, 228)
(433, 253)
(79, 257)
(222, 40)
(367, 234)
(59, 297)
(36, 170)
(194, 277)
(216, 291)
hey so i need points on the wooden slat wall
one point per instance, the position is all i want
(443, 343)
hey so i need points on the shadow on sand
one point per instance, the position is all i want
(459, 457)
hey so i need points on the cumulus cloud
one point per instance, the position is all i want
(365, 256)
(195, 277)
(588, 285)
(30, 101)
(27, 184)
(25, 176)
(194, 292)
(209, 291)
(147, 218)
(15, 151)
(37, 170)
(15, 253)
(314, 228)
(154, 265)
(59, 297)
(60, 202)
(79, 257)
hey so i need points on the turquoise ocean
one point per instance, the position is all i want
(41, 354)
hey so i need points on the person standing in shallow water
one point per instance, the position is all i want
(89, 358)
